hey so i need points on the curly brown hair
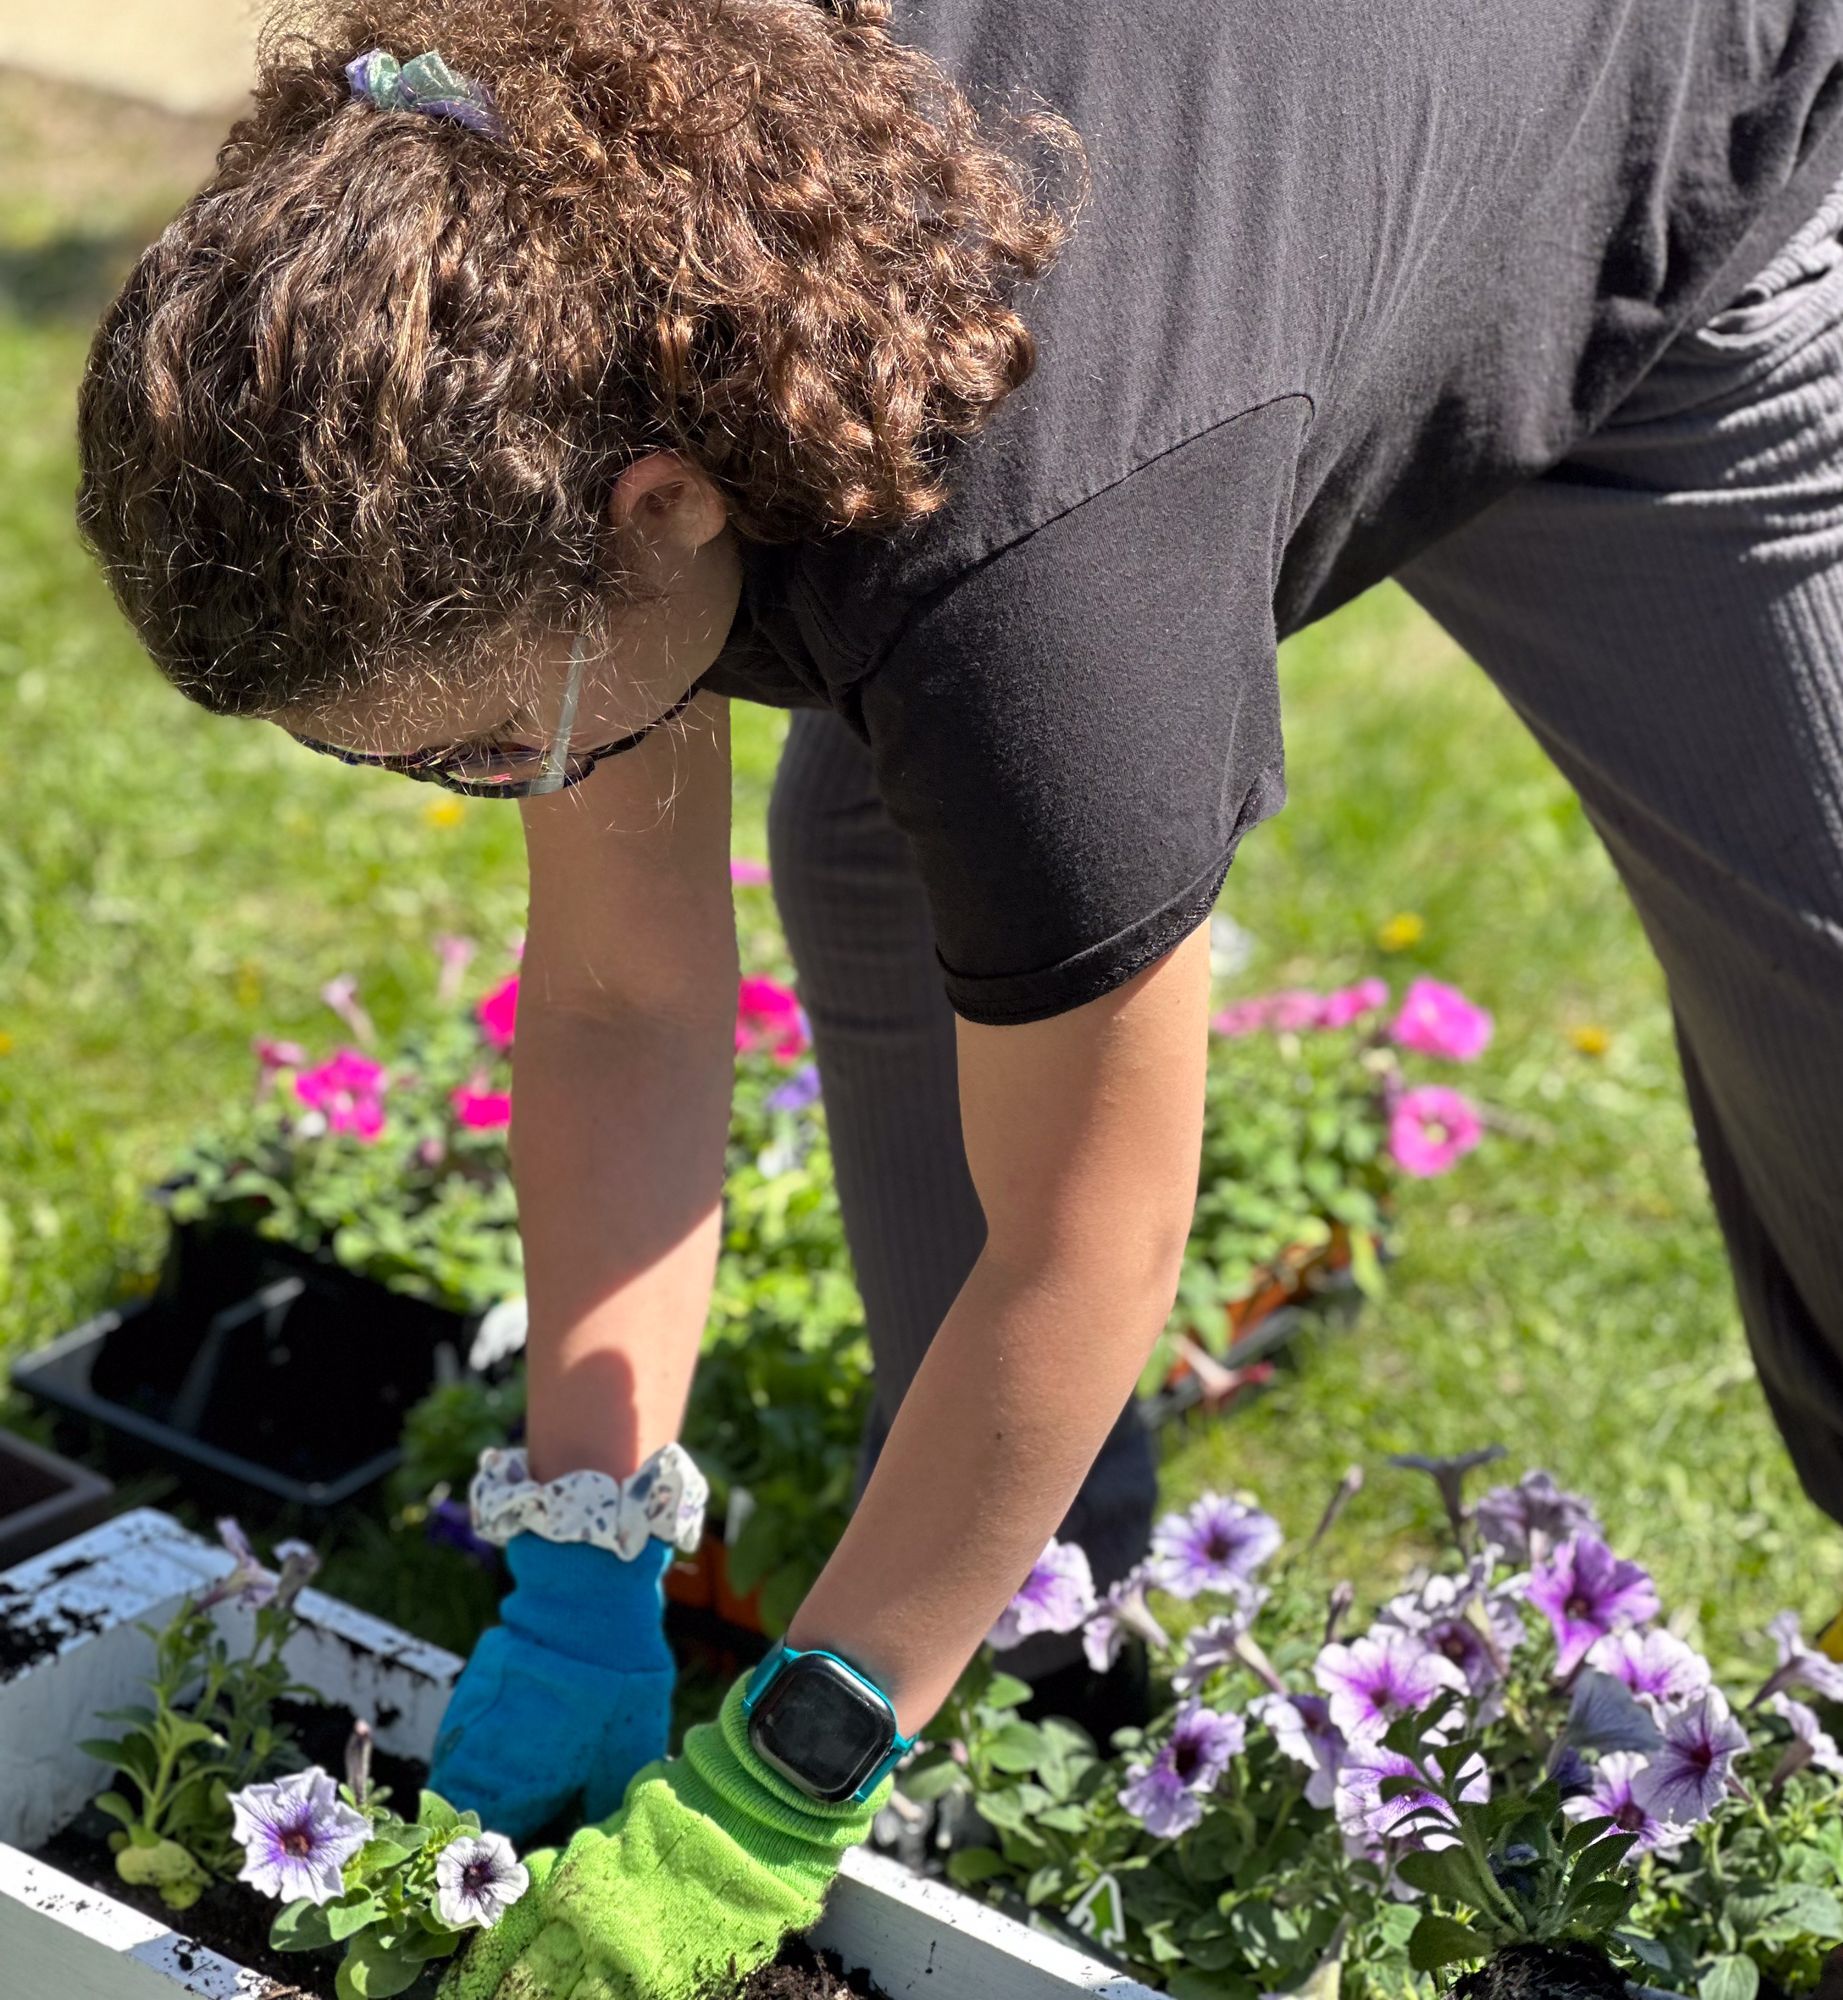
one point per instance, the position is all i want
(362, 402)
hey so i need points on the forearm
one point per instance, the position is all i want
(1015, 1398)
(617, 1148)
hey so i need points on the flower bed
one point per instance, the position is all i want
(1516, 1753)
(73, 1642)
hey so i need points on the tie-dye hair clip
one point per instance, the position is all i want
(426, 84)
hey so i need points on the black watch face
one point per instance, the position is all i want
(822, 1730)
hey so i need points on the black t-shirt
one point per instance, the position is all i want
(1351, 268)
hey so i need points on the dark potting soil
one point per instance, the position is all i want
(1539, 1972)
(26, 1638)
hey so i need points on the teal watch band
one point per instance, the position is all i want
(781, 1656)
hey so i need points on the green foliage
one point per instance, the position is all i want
(206, 1729)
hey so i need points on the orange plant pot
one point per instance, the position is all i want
(690, 1580)
(737, 1609)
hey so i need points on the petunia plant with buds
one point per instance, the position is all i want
(1513, 1751)
(392, 1896)
(206, 1728)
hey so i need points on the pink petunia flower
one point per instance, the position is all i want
(278, 1055)
(479, 1108)
(1438, 1020)
(348, 1092)
(747, 874)
(1241, 1017)
(456, 955)
(498, 1013)
(768, 1016)
(1350, 1003)
(1431, 1128)
(341, 995)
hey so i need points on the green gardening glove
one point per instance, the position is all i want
(711, 1861)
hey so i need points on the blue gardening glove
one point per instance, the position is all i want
(568, 1696)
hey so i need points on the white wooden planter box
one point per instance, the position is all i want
(63, 1940)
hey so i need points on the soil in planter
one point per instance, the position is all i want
(26, 1639)
(801, 1973)
(1537, 1972)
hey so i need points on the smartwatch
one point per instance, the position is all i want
(823, 1726)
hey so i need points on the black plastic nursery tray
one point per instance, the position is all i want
(44, 1499)
(297, 1392)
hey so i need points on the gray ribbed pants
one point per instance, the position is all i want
(1664, 610)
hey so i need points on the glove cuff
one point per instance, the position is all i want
(720, 1775)
(663, 1501)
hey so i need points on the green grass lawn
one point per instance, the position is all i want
(171, 884)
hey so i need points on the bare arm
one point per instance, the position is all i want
(621, 1091)
(1083, 1135)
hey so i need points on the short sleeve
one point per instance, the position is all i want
(1077, 734)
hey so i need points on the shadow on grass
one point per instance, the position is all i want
(70, 276)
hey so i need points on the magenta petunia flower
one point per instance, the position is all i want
(497, 1013)
(1240, 1017)
(1216, 1546)
(1612, 1797)
(481, 1109)
(1123, 1609)
(1349, 1004)
(1585, 1592)
(1057, 1596)
(1304, 1731)
(768, 1016)
(274, 1055)
(1379, 1828)
(747, 874)
(1525, 1521)
(1431, 1128)
(1377, 1679)
(1296, 1010)
(297, 1836)
(1165, 1795)
(1658, 1667)
(1684, 1780)
(800, 1091)
(348, 1092)
(1438, 1020)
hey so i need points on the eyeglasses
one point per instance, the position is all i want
(510, 770)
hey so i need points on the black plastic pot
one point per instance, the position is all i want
(44, 1499)
(296, 1392)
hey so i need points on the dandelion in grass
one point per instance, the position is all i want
(1684, 1779)
(1658, 1667)
(1057, 1596)
(1431, 1129)
(348, 1092)
(1122, 1610)
(1216, 1643)
(1402, 932)
(1525, 1521)
(1379, 1678)
(1611, 1796)
(1165, 1795)
(1216, 1546)
(1303, 1730)
(1438, 1020)
(1585, 1592)
(297, 1836)
(478, 1877)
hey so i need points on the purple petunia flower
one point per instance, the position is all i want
(1122, 1610)
(1604, 1714)
(1216, 1546)
(1467, 1620)
(1164, 1796)
(1304, 1731)
(1811, 1742)
(1525, 1521)
(478, 1877)
(1801, 1665)
(1658, 1667)
(1212, 1645)
(1612, 1797)
(1684, 1780)
(1388, 1674)
(1057, 1596)
(297, 1836)
(798, 1092)
(450, 1524)
(1585, 1592)
(1378, 1828)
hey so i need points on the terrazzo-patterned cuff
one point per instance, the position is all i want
(663, 1501)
